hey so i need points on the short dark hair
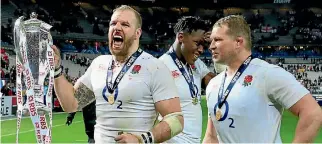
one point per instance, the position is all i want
(187, 24)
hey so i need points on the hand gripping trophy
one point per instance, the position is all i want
(35, 71)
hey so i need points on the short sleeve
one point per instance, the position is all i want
(203, 68)
(86, 78)
(283, 87)
(162, 84)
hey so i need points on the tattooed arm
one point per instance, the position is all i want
(83, 95)
(72, 98)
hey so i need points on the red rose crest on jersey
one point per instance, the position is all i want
(136, 69)
(175, 74)
(193, 67)
(248, 80)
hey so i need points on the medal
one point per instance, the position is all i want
(187, 74)
(111, 99)
(223, 94)
(112, 86)
(195, 100)
(218, 115)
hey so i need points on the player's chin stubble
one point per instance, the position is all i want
(127, 43)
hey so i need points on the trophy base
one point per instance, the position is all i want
(41, 109)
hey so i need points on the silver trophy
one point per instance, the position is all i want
(35, 73)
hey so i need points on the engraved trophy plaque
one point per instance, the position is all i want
(34, 68)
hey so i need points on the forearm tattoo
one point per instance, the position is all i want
(84, 96)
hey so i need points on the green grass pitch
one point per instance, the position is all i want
(76, 134)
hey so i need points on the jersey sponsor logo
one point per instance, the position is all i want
(175, 74)
(136, 69)
(248, 80)
(102, 67)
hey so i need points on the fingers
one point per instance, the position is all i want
(119, 138)
(57, 56)
(56, 50)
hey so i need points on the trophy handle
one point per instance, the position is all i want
(18, 27)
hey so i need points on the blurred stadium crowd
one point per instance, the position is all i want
(287, 36)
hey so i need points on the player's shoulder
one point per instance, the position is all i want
(215, 80)
(265, 66)
(102, 59)
(270, 71)
(261, 63)
(165, 57)
(199, 64)
(213, 83)
(150, 62)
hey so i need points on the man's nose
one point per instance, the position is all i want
(212, 46)
(200, 49)
(117, 27)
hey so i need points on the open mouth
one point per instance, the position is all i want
(196, 56)
(117, 40)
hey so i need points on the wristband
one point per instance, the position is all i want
(147, 137)
(58, 72)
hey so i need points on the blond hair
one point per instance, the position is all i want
(237, 27)
(136, 13)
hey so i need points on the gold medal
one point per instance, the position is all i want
(111, 99)
(195, 100)
(218, 115)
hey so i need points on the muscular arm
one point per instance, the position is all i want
(72, 98)
(206, 79)
(210, 135)
(162, 131)
(310, 119)
(65, 94)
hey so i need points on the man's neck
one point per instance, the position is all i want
(121, 59)
(234, 65)
(177, 50)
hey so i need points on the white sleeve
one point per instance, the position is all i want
(86, 78)
(162, 84)
(208, 90)
(203, 68)
(283, 87)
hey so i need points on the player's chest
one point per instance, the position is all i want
(132, 86)
(245, 97)
(180, 76)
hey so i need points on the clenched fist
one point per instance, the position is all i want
(57, 56)
(126, 138)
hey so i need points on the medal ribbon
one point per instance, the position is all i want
(189, 79)
(111, 86)
(222, 97)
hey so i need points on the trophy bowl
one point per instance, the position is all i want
(35, 74)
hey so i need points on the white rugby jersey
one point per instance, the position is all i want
(255, 104)
(145, 83)
(192, 113)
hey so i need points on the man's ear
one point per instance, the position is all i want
(180, 37)
(138, 33)
(239, 42)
